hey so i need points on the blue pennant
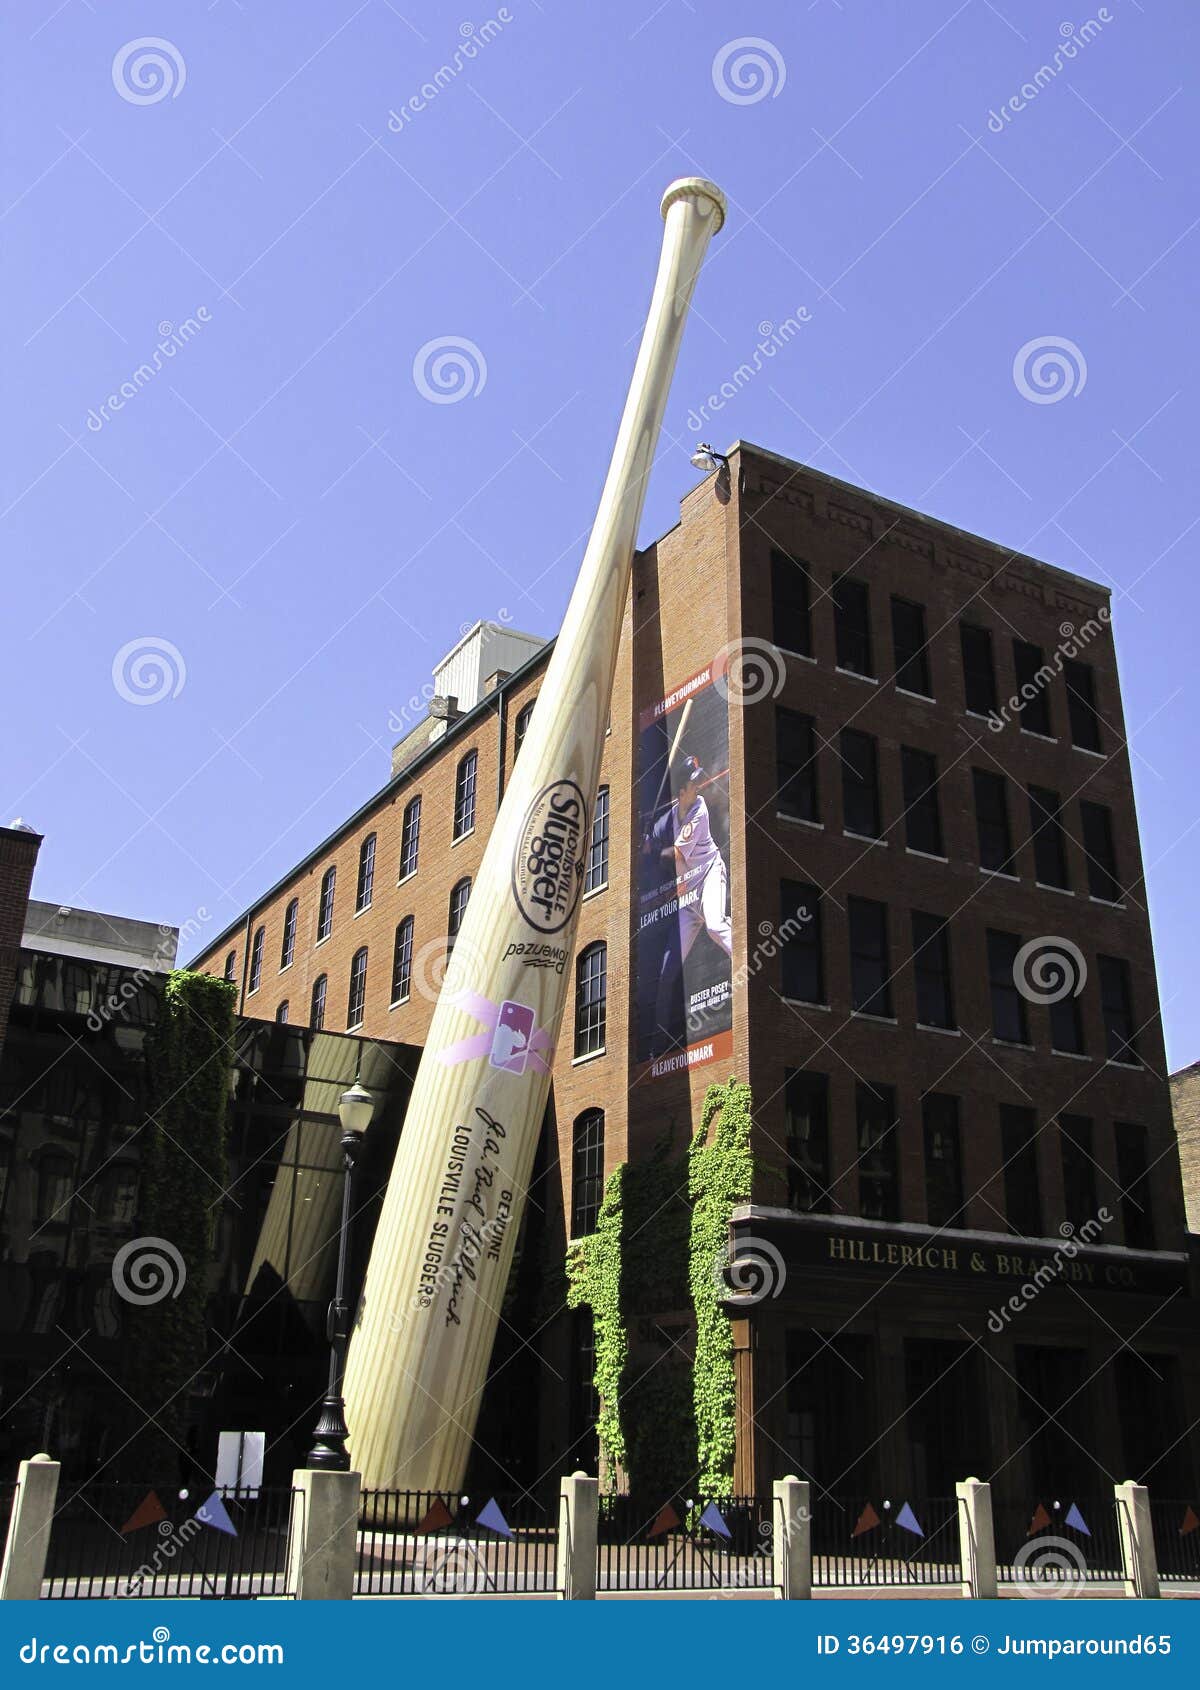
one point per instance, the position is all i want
(715, 1521)
(908, 1520)
(1075, 1518)
(214, 1513)
(491, 1517)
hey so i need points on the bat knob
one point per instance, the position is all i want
(696, 188)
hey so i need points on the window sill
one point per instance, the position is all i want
(790, 651)
(595, 892)
(799, 821)
(866, 838)
(946, 1032)
(398, 1003)
(459, 837)
(803, 1003)
(284, 966)
(1045, 886)
(1012, 1044)
(1129, 1067)
(929, 856)
(405, 878)
(1087, 751)
(1050, 739)
(980, 715)
(252, 991)
(353, 1026)
(871, 680)
(323, 941)
(875, 1020)
(921, 697)
(1105, 903)
(1071, 1055)
(999, 874)
(581, 1061)
(363, 911)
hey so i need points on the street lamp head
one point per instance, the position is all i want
(705, 458)
(355, 1108)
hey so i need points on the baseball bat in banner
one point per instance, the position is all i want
(439, 1264)
(683, 716)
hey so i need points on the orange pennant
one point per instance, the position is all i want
(148, 1512)
(439, 1515)
(1040, 1519)
(665, 1521)
(867, 1521)
(1190, 1521)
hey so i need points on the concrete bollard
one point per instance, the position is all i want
(29, 1530)
(578, 1513)
(976, 1538)
(1137, 1540)
(792, 1538)
(323, 1538)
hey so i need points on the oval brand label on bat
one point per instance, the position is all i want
(547, 875)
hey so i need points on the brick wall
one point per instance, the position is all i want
(18, 856)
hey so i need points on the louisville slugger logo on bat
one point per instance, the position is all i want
(547, 872)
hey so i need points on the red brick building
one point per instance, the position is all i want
(911, 754)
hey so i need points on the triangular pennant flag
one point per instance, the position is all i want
(491, 1517)
(1075, 1518)
(438, 1516)
(1190, 1521)
(1040, 1519)
(148, 1512)
(715, 1521)
(214, 1513)
(664, 1521)
(867, 1521)
(908, 1520)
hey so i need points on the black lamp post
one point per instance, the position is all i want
(355, 1109)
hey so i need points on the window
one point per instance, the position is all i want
(356, 1001)
(979, 672)
(230, 964)
(458, 909)
(288, 948)
(909, 648)
(1066, 1024)
(1033, 687)
(991, 821)
(402, 960)
(943, 1160)
(55, 1187)
(1008, 1006)
(1101, 855)
(1116, 1006)
(860, 784)
(1133, 1176)
(366, 874)
(1049, 841)
(316, 1014)
(870, 984)
(591, 999)
(587, 1171)
(1018, 1146)
(852, 625)
(521, 727)
(931, 963)
(281, 1014)
(410, 837)
(922, 813)
(806, 1101)
(597, 859)
(878, 1184)
(795, 765)
(325, 903)
(464, 795)
(1078, 1168)
(791, 623)
(256, 958)
(800, 936)
(1082, 714)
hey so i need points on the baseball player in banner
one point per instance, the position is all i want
(685, 939)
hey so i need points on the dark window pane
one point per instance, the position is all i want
(791, 626)
(591, 999)
(991, 821)
(878, 1183)
(316, 1015)
(1022, 1196)
(979, 673)
(922, 812)
(931, 962)
(800, 937)
(1101, 854)
(1133, 1176)
(870, 974)
(1008, 1006)
(521, 728)
(860, 783)
(597, 861)
(230, 965)
(852, 625)
(410, 838)
(1066, 1025)
(281, 1014)
(325, 905)
(402, 960)
(1049, 841)
(357, 997)
(1034, 676)
(1081, 704)
(464, 794)
(1116, 1007)
(943, 1160)
(795, 765)
(366, 874)
(587, 1172)
(288, 948)
(806, 1099)
(909, 647)
(256, 959)
(458, 909)
(1078, 1169)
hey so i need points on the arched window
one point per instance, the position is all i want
(281, 1014)
(458, 908)
(587, 1171)
(230, 965)
(521, 727)
(357, 999)
(316, 1014)
(464, 794)
(325, 903)
(591, 999)
(256, 956)
(288, 949)
(366, 874)
(597, 860)
(410, 837)
(402, 958)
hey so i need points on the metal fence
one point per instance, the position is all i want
(1051, 1546)
(427, 1543)
(122, 1540)
(1176, 1539)
(863, 1541)
(719, 1543)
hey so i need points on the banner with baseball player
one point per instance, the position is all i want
(684, 940)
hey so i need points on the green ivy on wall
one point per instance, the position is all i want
(594, 1279)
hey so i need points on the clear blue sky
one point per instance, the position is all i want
(309, 531)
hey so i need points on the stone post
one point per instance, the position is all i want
(323, 1539)
(29, 1530)
(1137, 1539)
(976, 1538)
(792, 1538)
(578, 1514)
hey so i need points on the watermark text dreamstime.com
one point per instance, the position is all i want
(473, 37)
(1073, 640)
(163, 959)
(172, 338)
(1059, 1266)
(1073, 39)
(773, 338)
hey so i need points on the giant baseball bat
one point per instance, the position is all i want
(419, 1356)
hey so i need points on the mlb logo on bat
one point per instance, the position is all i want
(510, 1044)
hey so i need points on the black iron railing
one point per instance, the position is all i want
(427, 1543)
(686, 1543)
(1053, 1545)
(123, 1540)
(863, 1541)
(1176, 1538)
